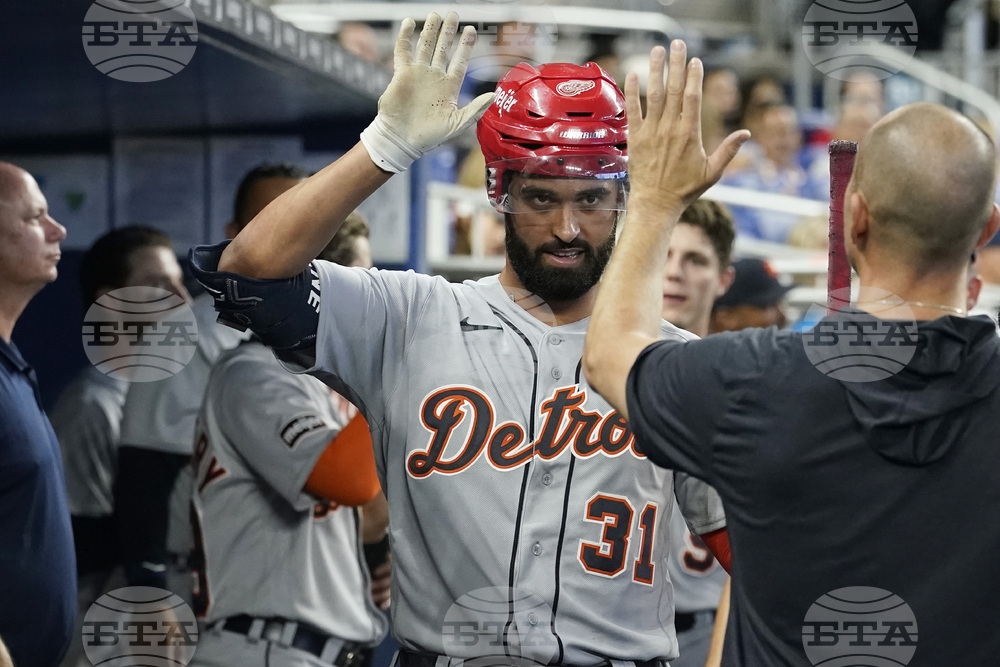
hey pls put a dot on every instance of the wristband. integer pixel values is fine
(388, 150)
(377, 553)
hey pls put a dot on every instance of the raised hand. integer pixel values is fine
(667, 161)
(419, 110)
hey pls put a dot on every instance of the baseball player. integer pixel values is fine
(525, 527)
(153, 487)
(697, 272)
(86, 417)
(281, 574)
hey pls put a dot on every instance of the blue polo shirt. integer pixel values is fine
(37, 564)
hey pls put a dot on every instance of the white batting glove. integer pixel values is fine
(419, 110)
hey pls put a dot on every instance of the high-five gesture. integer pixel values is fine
(667, 160)
(668, 170)
(419, 110)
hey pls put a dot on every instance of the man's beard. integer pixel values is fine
(552, 283)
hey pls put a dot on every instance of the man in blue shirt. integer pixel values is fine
(37, 565)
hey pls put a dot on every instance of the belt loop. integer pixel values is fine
(256, 630)
(446, 661)
(288, 633)
(622, 663)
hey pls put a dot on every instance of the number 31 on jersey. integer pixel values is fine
(608, 558)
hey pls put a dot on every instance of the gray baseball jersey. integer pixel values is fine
(264, 546)
(523, 519)
(161, 415)
(87, 421)
(697, 577)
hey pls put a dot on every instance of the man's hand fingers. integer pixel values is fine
(676, 75)
(633, 107)
(691, 103)
(445, 40)
(724, 154)
(428, 39)
(403, 53)
(460, 61)
(654, 86)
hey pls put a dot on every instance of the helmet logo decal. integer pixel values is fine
(574, 87)
(505, 100)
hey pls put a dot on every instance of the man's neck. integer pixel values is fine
(892, 294)
(13, 300)
(552, 313)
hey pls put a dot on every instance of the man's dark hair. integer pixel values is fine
(106, 264)
(340, 249)
(252, 177)
(716, 221)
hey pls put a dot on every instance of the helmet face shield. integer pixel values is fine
(540, 185)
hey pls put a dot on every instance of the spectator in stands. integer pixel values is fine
(777, 170)
(87, 416)
(855, 117)
(37, 564)
(720, 107)
(721, 91)
(863, 88)
(755, 299)
(756, 94)
(359, 39)
(153, 488)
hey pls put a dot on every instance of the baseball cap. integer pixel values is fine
(755, 284)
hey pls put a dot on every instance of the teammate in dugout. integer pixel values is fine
(281, 463)
(830, 485)
(526, 528)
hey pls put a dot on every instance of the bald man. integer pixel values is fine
(861, 504)
(37, 563)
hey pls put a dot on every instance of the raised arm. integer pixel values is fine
(418, 111)
(668, 170)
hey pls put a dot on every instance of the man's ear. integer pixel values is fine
(991, 227)
(726, 281)
(860, 217)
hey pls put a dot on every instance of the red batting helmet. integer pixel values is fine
(556, 120)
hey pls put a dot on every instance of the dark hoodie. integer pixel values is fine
(864, 517)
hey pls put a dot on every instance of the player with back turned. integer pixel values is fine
(526, 528)
(861, 506)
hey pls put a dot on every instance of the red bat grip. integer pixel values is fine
(838, 277)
